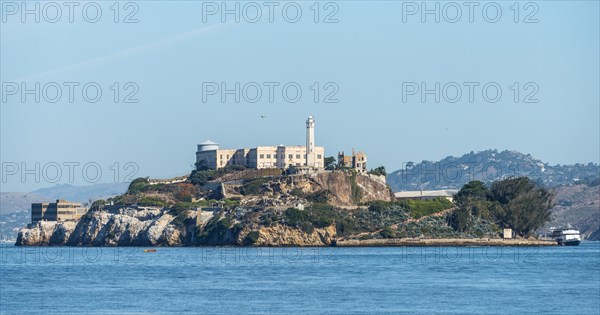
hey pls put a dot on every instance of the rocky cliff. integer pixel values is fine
(138, 229)
(338, 188)
(283, 235)
(126, 227)
(303, 210)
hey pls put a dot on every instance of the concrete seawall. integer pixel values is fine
(444, 242)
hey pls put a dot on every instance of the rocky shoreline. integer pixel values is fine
(339, 208)
(103, 230)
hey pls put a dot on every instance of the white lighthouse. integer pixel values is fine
(310, 141)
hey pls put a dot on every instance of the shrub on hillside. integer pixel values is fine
(253, 186)
(137, 185)
(422, 208)
(251, 238)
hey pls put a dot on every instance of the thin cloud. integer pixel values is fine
(127, 52)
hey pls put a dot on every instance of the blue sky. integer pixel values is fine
(368, 54)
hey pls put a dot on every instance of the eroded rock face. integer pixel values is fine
(106, 229)
(40, 234)
(62, 232)
(340, 185)
(280, 235)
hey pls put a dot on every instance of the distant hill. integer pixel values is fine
(577, 206)
(488, 166)
(82, 193)
(15, 207)
(17, 201)
(11, 223)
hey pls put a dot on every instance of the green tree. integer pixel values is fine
(472, 206)
(460, 219)
(522, 204)
(330, 163)
(379, 171)
(469, 213)
(473, 190)
(201, 165)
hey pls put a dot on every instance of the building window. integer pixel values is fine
(291, 156)
(298, 156)
(262, 156)
(268, 156)
(221, 156)
(318, 156)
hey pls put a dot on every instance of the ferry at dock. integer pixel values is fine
(567, 237)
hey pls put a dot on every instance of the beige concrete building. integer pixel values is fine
(210, 156)
(61, 210)
(357, 161)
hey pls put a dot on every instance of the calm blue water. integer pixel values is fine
(558, 280)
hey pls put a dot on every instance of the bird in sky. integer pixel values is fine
(263, 116)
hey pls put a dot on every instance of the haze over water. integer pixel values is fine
(558, 280)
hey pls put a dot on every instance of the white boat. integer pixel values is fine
(567, 237)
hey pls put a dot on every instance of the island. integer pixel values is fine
(293, 196)
(245, 207)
